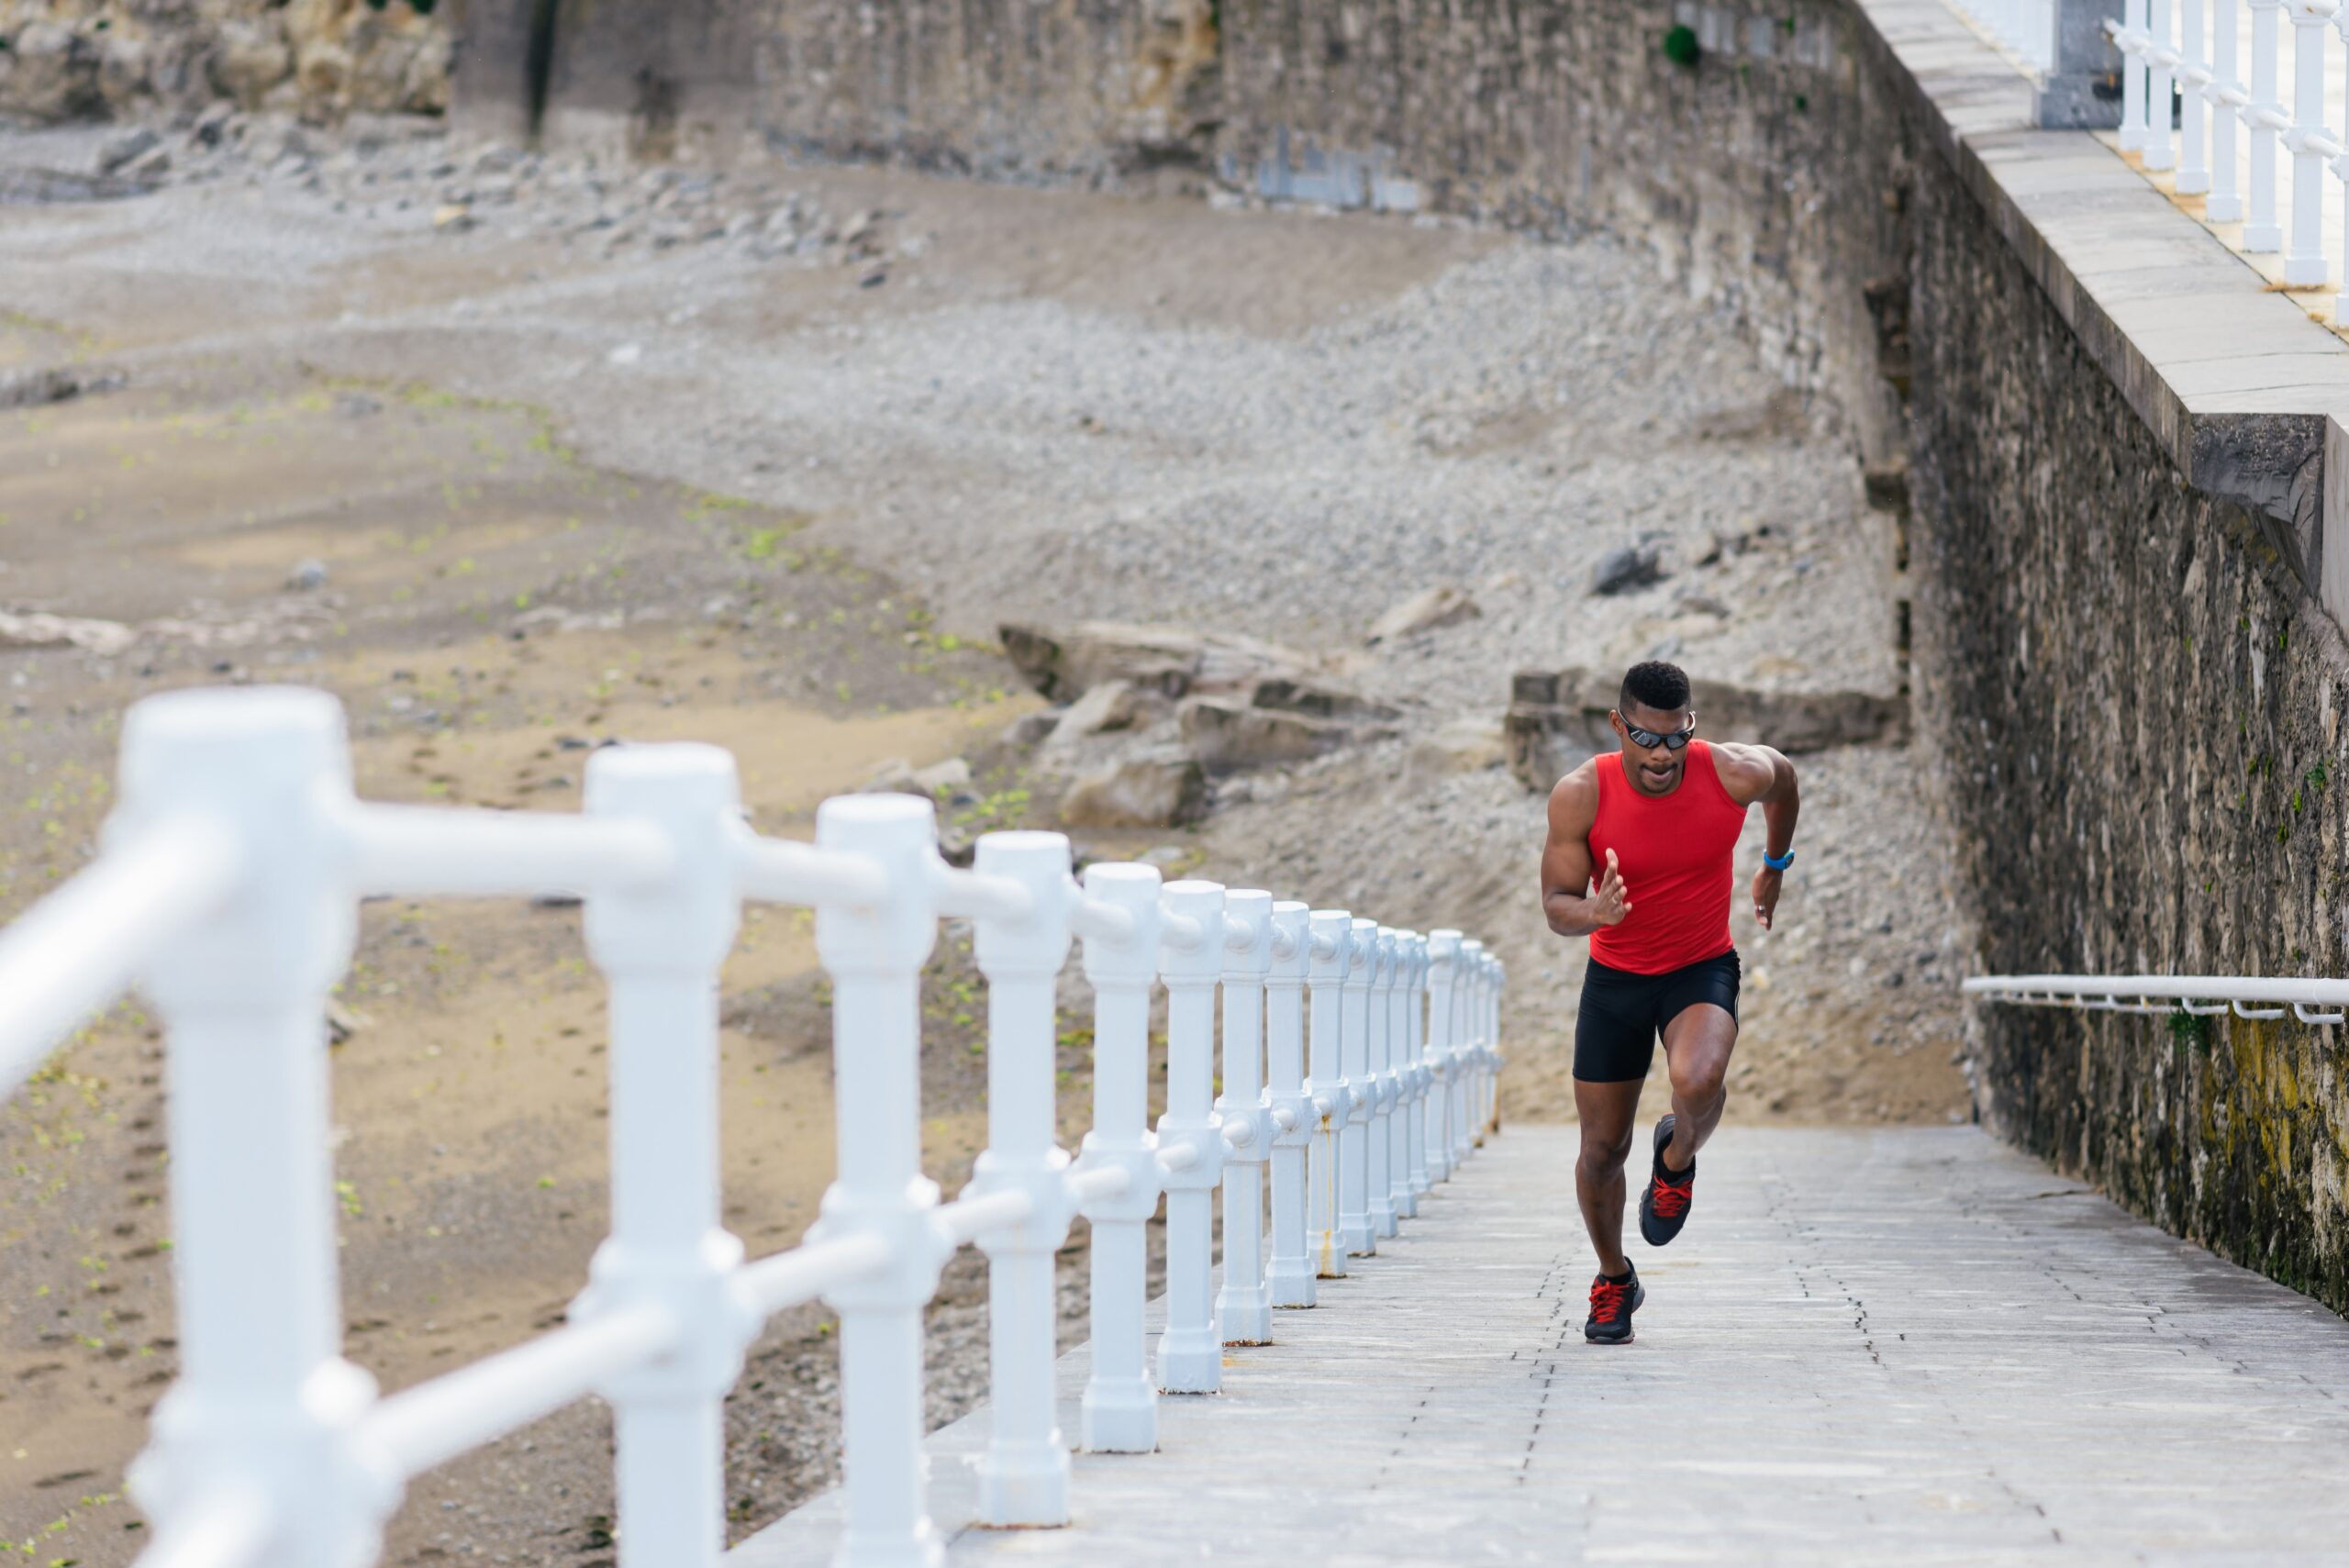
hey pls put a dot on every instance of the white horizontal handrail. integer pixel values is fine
(1100, 1182)
(2062, 989)
(974, 896)
(420, 1428)
(786, 1279)
(75, 951)
(1101, 920)
(968, 1219)
(784, 870)
(424, 851)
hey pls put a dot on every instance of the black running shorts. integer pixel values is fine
(1623, 1014)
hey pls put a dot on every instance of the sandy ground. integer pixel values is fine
(563, 495)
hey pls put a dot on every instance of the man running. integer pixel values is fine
(1662, 819)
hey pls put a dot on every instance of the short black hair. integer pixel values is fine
(1655, 685)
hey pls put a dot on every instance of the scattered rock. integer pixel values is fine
(249, 59)
(1427, 610)
(1112, 704)
(454, 218)
(1557, 718)
(1466, 745)
(898, 776)
(33, 389)
(43, 630)
(127, 147)
(1224, 736)
(944, 778)
(307, 576)
(342, 1022)
(1161, 790)
(357, 405)
(1702, 604)
(1632, 566)
(1171, 661)
(1031, 729)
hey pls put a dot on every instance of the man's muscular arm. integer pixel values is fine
(1573, 906)
(1757, 775)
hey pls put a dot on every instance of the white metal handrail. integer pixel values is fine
(229, 888)
(2312, 1001)
(2185, 60)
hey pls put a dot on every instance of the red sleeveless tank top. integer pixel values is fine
(1677, 856)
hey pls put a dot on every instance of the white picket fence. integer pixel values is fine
(2190, 113)
(228, 891)
(2251, 996)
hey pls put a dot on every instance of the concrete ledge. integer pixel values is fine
(2236, 382)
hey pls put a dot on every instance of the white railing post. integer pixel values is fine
(2134, 40)
(2227, 98)
(1401, 1079)
(265, 1404)
(874, 956)
(1330, 1089)
(1422, 1077)
(2160, 56)
(2193, 77)
(1496, 977)
(1120, 1409)
(1244, 1307)
(660, 946)
(1356, 1228)
(1023, 1475)
(1467, 1050)
(2304, 261)
(2265, 115)
(1289, 1277)
(1190, 1357)
(1379, 1053)
(1444, 957)
(2340, 164)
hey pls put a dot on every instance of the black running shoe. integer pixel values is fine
(1611, 1305)
(1664, 1207)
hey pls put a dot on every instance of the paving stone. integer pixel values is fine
(1911, 1346)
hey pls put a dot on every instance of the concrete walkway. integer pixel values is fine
(1900, 1347)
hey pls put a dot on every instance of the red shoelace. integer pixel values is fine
(1670, 1202)
(1606, 1299)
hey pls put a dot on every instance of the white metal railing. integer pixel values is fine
(228, 889)
(2183, 62)
(2247, 996)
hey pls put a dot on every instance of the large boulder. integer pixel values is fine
(1163, 789)
(51, 73)
(1557, 718)
(1226, 736)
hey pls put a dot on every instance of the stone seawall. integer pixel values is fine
(2121, 681)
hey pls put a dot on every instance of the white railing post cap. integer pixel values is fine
(687, 920)
(1293, 923)
(272, 766)
(1250, 912)
(1134, 959)
(1191, 906)
(1038, 945)
(1329, 929)
(899, 833)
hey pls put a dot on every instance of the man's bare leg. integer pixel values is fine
(1697, 1045)
(1607, 1112)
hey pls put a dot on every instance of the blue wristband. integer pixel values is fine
(1778, 865)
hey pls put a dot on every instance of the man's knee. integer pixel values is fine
(1699, 1081)
(1601, 1158)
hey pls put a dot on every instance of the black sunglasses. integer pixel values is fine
(1676, 740)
